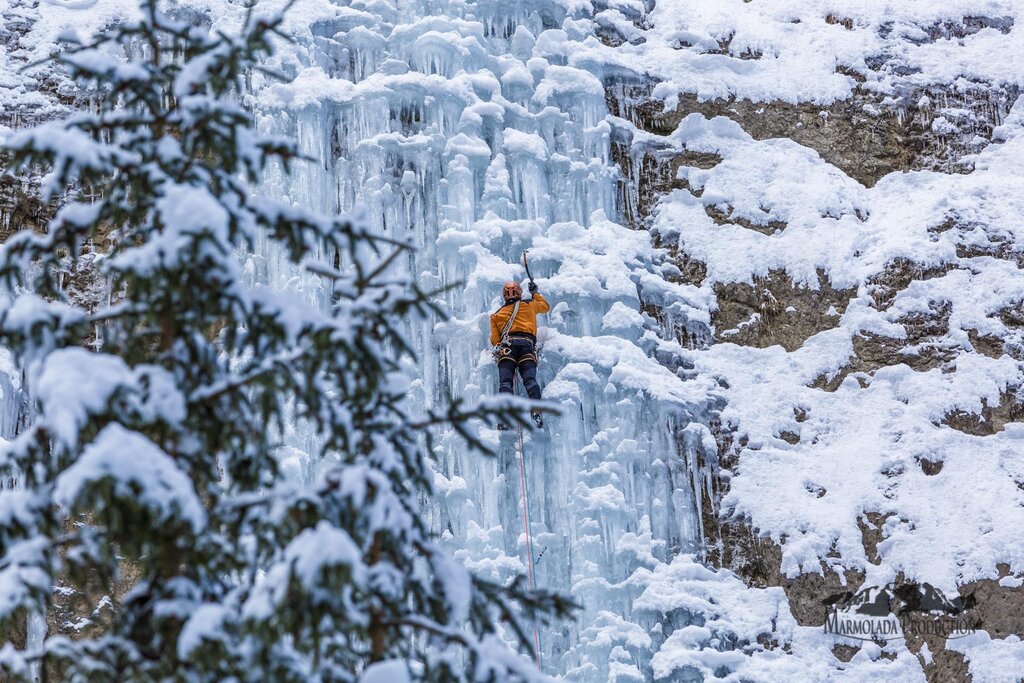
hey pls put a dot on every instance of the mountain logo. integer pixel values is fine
(894, 611)
(923, 597)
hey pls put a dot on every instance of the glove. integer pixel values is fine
(532, 287)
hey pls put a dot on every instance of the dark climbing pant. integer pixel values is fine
(523, 357)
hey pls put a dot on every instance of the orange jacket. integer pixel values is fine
(526, 319)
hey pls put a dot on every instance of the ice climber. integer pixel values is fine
(514, 338)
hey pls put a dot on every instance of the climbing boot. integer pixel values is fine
(538, 419)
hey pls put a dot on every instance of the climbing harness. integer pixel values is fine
(526, 522)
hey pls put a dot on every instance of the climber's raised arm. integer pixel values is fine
(540, 304)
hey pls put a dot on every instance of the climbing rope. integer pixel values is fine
(526, 519)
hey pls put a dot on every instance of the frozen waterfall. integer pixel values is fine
(468, 128)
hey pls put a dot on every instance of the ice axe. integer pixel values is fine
(526, 265)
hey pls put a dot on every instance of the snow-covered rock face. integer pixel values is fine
(818, 51)
(880, 442)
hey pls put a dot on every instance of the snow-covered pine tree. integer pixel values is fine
(159, 450)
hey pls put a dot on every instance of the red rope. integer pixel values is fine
(526, 519)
